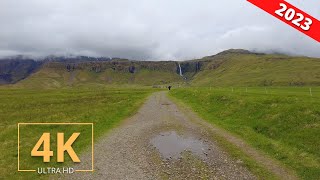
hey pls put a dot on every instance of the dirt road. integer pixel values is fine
(161, 142)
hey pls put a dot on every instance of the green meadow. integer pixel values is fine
(272, 105)
(283, 122)
(105, 107)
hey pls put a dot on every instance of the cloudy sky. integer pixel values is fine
(147, 29)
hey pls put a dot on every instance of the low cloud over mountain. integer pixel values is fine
(146, 29)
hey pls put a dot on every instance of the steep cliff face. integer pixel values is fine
(12, 71)
(190, 68)
(111, 72)
(116, 65)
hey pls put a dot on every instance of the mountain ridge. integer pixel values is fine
(223, 69)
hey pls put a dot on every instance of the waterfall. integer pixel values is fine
(180, 70)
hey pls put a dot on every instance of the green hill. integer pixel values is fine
(242, 68)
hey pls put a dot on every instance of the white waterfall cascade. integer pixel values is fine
(180, 70)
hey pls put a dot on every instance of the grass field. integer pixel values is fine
(101, 106)
(284, 122)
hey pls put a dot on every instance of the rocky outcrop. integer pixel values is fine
(14, 70)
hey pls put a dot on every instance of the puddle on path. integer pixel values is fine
(171, 145)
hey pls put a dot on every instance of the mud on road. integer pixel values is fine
(160, 142)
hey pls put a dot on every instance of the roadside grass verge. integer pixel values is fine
(102, 106)
(282, 122)
(258, 170)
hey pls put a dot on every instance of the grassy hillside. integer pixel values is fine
(248, 69)
(63, 74)
(105, 107)
(228, 68)
(282, 122)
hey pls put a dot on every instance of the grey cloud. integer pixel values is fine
(146, 29)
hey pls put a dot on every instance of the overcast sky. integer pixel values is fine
(147, 29)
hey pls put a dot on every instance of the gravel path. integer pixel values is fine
(160, 142)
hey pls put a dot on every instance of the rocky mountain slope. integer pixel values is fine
(233, 67)
(14, 70)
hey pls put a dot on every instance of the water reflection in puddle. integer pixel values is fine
(171, 145)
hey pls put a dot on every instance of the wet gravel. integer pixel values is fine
(160, 142)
